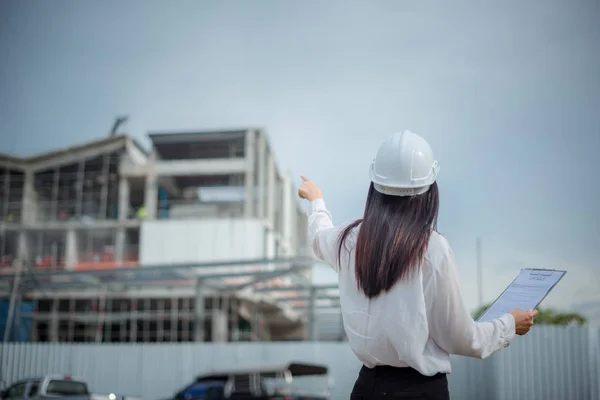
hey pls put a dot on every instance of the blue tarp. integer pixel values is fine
(163, 204)
(24, 325)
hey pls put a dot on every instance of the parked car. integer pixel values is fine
(55, 387)
(259, 383)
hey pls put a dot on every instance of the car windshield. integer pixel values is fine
(66, 388)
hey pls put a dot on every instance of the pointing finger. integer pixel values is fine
(304, 178)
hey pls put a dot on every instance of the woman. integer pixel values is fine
(401, 303)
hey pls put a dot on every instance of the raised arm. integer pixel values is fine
(322, 235)
(450, 324)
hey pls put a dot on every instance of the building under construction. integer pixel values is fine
(200, 238)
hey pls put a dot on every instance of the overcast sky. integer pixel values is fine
(507, 93)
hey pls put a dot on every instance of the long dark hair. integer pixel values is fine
(392, 239)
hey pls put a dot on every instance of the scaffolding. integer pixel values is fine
(83, 190)
(173, 303)
(11, 194)
(73, 218)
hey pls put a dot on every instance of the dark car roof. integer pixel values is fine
(295, 368)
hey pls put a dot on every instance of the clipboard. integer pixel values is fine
(557, 276)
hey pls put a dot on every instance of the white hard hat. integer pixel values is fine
(404, 165)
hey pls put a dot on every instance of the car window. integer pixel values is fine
(16, 391)
(195, 392)
(66, 388)
(33, 388)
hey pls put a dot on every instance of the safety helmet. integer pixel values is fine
(404, 165)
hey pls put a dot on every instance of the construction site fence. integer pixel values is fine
(548, 363)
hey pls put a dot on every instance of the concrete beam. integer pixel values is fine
(122, 280)
(66, 158)
(134, 153)
(13, 165)
(297, 288)
(97, 224)
(89, 280)
(9, 226)
(217, 166)
(264, 277)
(308, 298)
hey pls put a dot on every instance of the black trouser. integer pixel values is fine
(402, 383)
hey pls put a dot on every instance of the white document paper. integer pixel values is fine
(526, 292)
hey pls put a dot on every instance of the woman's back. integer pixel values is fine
(394, 326)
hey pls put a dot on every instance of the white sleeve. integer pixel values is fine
(451, 326)
(322, 235)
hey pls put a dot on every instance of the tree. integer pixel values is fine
(547, 316)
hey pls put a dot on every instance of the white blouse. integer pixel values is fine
(420, 321)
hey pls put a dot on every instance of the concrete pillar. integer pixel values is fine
(79, 186)
(219, 326)
(134, 320)
(293, 227)
(123, 198)
(54, 201)
(4, 215)
(23, 252)
(249, 175)
(278, 226)
(287, 209)
(261, 145)
(53, 325)
(174, 318)
(235, 319)
(270, 200)
(71, 249)
(104, 188)
(123, 323)
(160, 321)
(199, 313)
(254, 325)
(29, 201)
(151, 197)
(120, 246)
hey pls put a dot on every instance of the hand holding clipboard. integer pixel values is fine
(526, 292)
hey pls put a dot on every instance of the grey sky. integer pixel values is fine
(507, 93)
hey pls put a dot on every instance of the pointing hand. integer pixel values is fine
(309, 190)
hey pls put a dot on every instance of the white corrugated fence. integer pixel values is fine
(550, 363)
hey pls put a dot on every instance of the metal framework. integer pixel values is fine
(218, 283)
(71, 228)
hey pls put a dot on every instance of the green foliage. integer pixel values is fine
(547, 316)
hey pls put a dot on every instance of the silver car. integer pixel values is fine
(55, 387)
